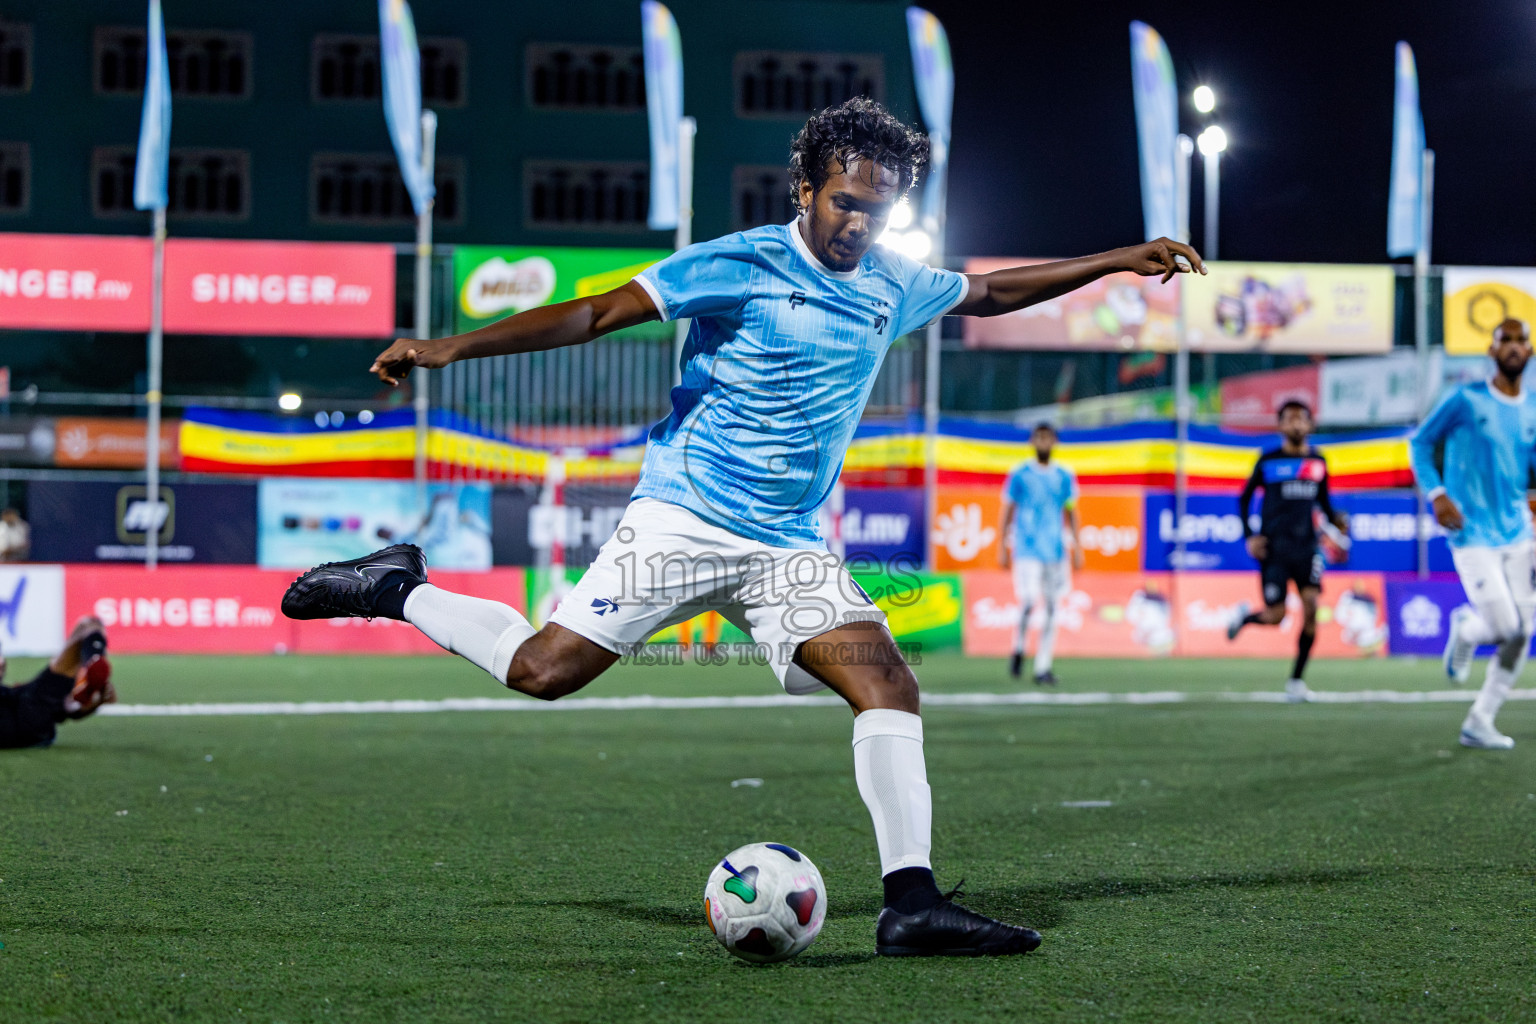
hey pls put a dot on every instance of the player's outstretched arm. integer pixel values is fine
(574, 322)
(1004, 291)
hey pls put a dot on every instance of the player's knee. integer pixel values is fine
(542, 679)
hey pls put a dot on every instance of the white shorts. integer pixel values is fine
(664, 565)
(1501, 584)
(1034, 580)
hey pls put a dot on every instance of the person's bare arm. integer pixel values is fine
(1075, 525)
(1004, 291)
(1004, 552)
(574, 322)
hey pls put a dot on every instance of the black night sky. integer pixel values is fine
(1044, 157)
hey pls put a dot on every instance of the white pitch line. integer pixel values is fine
(647, 703)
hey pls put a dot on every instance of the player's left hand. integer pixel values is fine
(1159, 256)
(1341, 520)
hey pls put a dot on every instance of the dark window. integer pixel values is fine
(760, 195)
(343, 68)
(789, 83)
(200, 62)
(15, 177)
(366, 188)
(15, 57)
(576, 77)
(203, 184)
(586, 195)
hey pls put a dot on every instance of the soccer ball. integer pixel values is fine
(765, 902)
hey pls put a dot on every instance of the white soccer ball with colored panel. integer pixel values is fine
(765, 902)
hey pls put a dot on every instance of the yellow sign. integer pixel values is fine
(1297, 308)
(1478, 299)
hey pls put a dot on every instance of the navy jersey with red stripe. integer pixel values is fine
(1293, 486)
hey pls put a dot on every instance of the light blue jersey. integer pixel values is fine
(777, 367)
(1040, 494)
(1489, 441)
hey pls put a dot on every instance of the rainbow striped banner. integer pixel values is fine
(1137, 454)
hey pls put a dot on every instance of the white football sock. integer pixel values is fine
(1047, 648)
(487, 633)
(1500, 678)
(893, 780)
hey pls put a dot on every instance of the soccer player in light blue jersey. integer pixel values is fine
(1488, 435)
(790, 323)
(1039, 507)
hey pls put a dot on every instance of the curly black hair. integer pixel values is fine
(856, 128)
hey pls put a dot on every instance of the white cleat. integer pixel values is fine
(1458, 650)
(1235, 623)
(1481, 735)
(1296, 691)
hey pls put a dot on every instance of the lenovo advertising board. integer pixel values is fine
(93, 521)
(1381, 524)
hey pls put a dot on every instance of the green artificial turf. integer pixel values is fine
(1260, 862)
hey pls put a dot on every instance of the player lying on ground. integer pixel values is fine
(790, 324)
(1038, 498)
(1294, 478)
(73, 685)
(1488, 433)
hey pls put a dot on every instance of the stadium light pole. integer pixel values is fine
(1213, 142)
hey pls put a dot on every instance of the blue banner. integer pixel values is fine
(152, 168)
(1157, 129)
(305, 521)
(1404, 204)
(1419, 618)
(400, 63)
(1382, 526)
(664, 108)
(933, 74)
(883, 525)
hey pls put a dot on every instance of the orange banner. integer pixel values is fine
(101, 442)
(1113, 530)
(965, 527)
(1129, 615)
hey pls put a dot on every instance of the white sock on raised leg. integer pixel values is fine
(487, 633)
(893, 780)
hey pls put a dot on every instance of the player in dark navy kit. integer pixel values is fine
(1294, 478)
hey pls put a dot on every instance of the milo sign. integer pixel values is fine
(491, 282)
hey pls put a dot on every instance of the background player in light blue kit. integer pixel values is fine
(1039, 499)
(790, 325)
(1488, 431)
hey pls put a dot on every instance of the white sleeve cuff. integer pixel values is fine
(1432, 495)
(655, 294)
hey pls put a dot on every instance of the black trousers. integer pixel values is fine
(30, 714)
